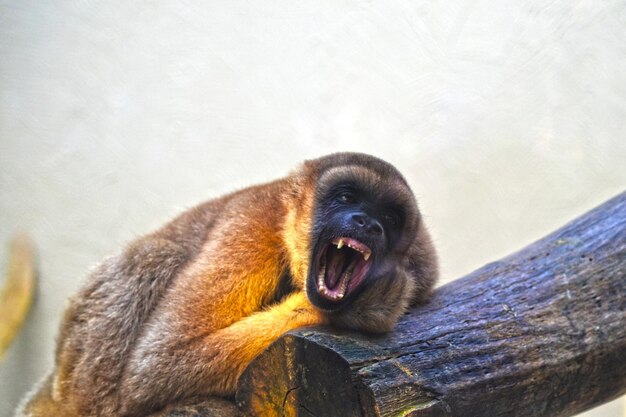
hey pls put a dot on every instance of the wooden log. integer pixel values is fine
(539, 333)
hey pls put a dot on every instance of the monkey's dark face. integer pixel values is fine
(359, 232)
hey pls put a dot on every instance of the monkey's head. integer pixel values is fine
(364, 219)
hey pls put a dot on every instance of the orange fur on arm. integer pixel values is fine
(242, 341)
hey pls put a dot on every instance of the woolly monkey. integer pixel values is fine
(182, 311)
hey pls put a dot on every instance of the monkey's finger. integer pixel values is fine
(17, 294)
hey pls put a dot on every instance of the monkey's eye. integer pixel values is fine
(347, 198)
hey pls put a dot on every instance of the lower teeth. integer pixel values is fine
(345, 280)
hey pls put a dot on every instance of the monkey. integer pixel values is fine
(181, 312)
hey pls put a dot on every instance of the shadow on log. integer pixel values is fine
(539, 333)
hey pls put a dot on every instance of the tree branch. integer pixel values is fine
(539, 333)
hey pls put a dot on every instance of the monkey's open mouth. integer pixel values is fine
(343, 264)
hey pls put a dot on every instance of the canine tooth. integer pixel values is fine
(366, 255)
(340, 244)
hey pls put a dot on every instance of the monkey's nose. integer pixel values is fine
(371, 226)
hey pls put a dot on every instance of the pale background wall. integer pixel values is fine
(507, 117)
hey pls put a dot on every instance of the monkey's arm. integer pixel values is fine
(242, 341)
(208, 363)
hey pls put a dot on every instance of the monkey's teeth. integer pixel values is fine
(320, 277)
(354, 245)
(344, 284)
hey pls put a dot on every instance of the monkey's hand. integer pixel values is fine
(379, 307)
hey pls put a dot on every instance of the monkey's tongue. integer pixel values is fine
(341, 270)
(337, 263)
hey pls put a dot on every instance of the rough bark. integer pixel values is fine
(541, 332)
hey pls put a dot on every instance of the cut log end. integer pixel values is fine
(275, 384)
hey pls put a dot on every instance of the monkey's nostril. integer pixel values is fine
(358, 219)
(376, 228)
(372, 226)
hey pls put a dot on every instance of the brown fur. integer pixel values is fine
(182, 311)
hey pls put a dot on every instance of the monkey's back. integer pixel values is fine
(104, 320)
